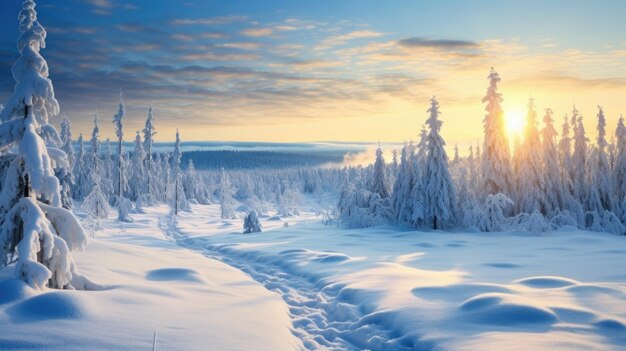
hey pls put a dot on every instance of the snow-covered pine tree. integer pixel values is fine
(35, 231)
(226, 192)
(619, 169)
(579, 161)
(138, 174)
(456, 158)
(251, 223)
(66, 139)
(94, 164)
(496, 175)
(107, 168)
(394, 164)
(417, 195)
(81, 172)
(531, 196)
(118, 121)
(565, 156)
(601, 171)
(554, 190)
(65, 174)
(402, 188)
(178, 200)
(440, 192)
(380, 184)
(151, 187)
(97, 206)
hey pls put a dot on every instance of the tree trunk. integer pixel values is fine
(435, 223)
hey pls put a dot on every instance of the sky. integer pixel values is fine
(341, 70)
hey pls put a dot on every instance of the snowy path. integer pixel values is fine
(321, 317)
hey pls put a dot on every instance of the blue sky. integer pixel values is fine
(322, 70)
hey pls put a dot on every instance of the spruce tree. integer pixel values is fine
(531, 195)
(554, 190)
(380, 184)
(496, 175)
(36, 233)
(440, 193)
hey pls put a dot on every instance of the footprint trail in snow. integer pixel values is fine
(320, 317)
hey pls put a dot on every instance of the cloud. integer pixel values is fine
(337, 40)
(242, 45)
(208, 21)
(257, 32)
(444, 44)
(101, 3)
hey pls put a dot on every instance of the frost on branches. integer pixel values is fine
(35, 232)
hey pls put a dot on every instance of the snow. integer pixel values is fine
(384, 288)
(147, 284)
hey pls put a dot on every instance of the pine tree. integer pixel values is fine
(565, 157)
(602, 170)
(496, 175)
(178, 199)
(35, 231)
(579, 160)
(80, 171)
(138, 174)
(118, 120)
(251, 223)
(151, 188)
(554, 189)
(94, 152)
(402, 188)
(380, 184)
(440, 192)
(417, 195)
(227, 202)
(619, 170)
(531, 182)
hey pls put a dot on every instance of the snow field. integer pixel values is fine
(148, 283)
(385, 288)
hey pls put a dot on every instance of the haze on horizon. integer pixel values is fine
(300, 71)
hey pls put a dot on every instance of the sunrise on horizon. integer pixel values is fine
(350, 175)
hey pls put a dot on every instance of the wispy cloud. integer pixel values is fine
(208, 21)
(257, 32)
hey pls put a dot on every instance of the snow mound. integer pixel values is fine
(505, 310)
(316, 256)
(175, 274)
(457, 291)
(546, 282)
(50, 306)
(14, 289)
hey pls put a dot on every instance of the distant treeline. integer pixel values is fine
(234, 159)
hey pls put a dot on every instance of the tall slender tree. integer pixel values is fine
(496, 175)
(554, 190)
(601, 171)
(118, 120)
(380, 184)
(531, 195)
(579, 160)
(440, 192)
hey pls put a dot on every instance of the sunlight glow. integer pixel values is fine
(515, 122)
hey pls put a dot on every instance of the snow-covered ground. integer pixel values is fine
(386, 289)
(149, 284)
(311, 286)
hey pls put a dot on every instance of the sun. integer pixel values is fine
(515, 121)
